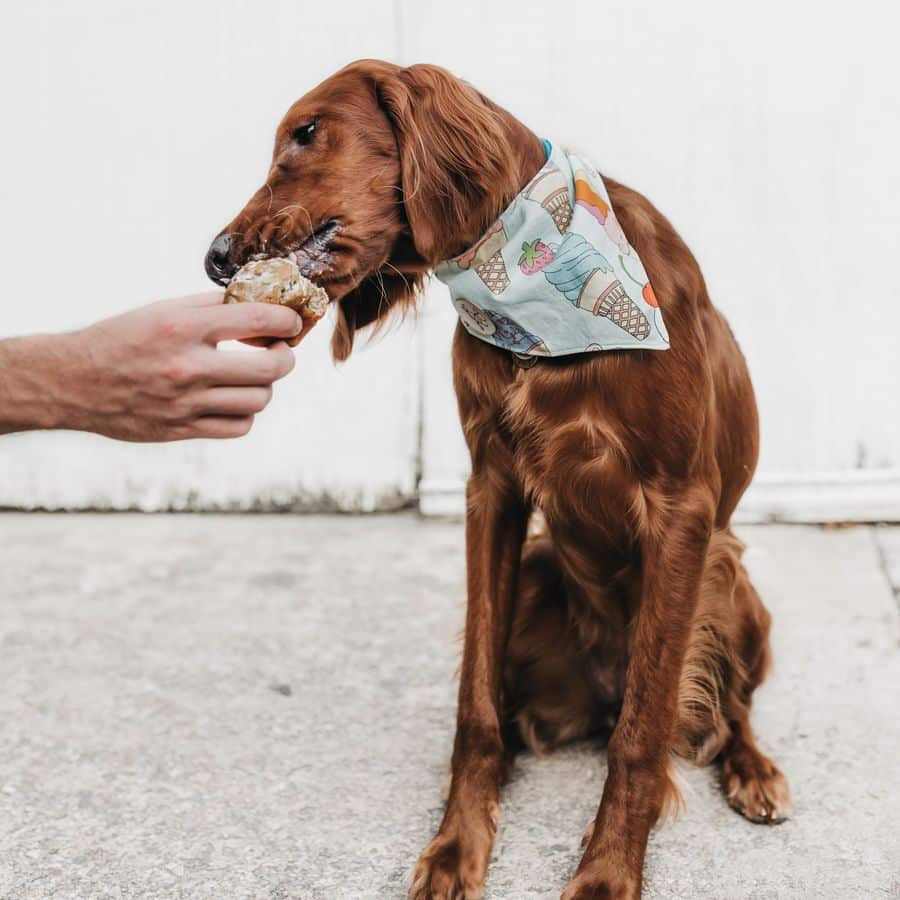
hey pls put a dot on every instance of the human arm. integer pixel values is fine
(150, 374)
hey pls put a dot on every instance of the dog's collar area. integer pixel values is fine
(555, 275)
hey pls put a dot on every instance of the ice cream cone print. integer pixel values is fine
(621, 310)
(550, 189)
(557, 240)
(589, 200)
(584, 276)
(486, 259)
(650, 300)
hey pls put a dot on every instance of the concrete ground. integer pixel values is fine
(262, 707)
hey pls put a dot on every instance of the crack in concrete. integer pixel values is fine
(883, 555)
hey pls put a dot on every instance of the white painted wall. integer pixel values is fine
(131, 133)
(768, 134)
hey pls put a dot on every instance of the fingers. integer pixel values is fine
(222, 412)
(216, 427)
(229, 390)
(206, 298)
(231, 401)
(236, 368)
(236, 321)
(291, 342)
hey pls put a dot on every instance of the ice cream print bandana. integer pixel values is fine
(555, 273)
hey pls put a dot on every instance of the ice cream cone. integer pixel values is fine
(621, 310)
(486, 259)
(579, 271)
(587, 198)
(551, 190)
(493, 273)
(560, 210)
(584, 276)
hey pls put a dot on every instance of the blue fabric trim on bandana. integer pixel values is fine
(555, 274)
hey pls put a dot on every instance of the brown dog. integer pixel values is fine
(632, 609)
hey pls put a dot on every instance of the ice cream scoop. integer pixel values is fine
(584, 276)
(279, 281)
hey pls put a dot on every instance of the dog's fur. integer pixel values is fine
(629, 614)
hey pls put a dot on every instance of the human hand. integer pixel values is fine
(156, 374)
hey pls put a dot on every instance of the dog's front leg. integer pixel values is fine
(454, 864)
(638, 779)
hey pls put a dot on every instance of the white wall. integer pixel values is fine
(131, 133)
(767, 133)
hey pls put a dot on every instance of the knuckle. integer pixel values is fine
(179, 373)
(171, 374)
(257, 319)
(172, 326)
(179, 433)
(178, 412)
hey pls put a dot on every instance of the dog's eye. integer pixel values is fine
(304, 134)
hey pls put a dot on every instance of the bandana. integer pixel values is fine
(555, 273)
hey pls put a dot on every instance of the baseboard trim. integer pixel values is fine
(442, 497)
(859, 496)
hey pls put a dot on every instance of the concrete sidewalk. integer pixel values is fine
(257, 706)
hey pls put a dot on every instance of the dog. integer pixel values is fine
(628, 613)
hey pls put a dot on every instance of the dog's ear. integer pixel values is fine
(368, 303)
(458, 168)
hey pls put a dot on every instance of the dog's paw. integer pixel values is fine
(756, 788)
(440, 874)
(453, 868)
(600, 881)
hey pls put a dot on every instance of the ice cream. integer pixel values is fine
(589, 200)
(278, 280)
(487, 260)
(551, 190)
(584, 276)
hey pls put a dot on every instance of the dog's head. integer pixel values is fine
(377, 174)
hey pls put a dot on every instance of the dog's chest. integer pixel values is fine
(584, 441)
(571, 457)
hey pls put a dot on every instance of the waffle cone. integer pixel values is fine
(560, 210)
(621, 310)
(493, 273)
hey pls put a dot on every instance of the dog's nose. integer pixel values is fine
(219, 265)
